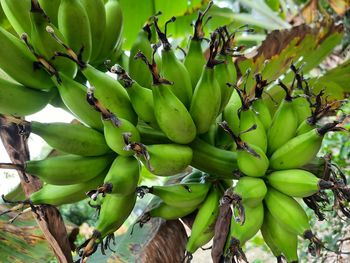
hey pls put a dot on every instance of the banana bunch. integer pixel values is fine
(247, 162)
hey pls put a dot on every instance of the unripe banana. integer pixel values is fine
(230, 114)
(73, 22)
(44, 44)
(217, 162)
(305, 127)
(179, 195)
(64, 169)
(18, 100)
(202, 110)
(256, 137)
(251, 160)
(113, 30)
(141, 98)
(202, 230)
(302, 108)
(97, 20)
(18, 63)
(284, 125)
(65, 194)
(254, 165)
(263, 112)
(71, 138)
(173, 70)
(111, 93)
(297, 183)
(151, 136)
(287, 212)
(121, 179)
(241, 233)
(73, 95)
(172, 116)
(194, 60)
(167, 212)
(114, 135)
(251, 190)
(115, 209)
(268, 239)
(301, 149)
(165, 159)
(17, 13)
(137, 69)
(280, 239)
(50, 8)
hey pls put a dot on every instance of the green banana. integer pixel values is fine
(113, 29)
(121, 179)
(173, 69)
(115, 209)
(302, 108)
(167, 212)
(73, 23)
(217, 162)
(18, 100)
(151, 136)
(50, 8)
(269, 240)
(259, 105)
(73, 94)
(297, 183)
(241, 232)
(17, 61)
(111, 93)
(301, 149)
(137, 69)
(251, 191)
(44, 44)
(114, 135)
(251, 160)
(71, 138)
(97, 20)
(305, 127)
(287, 211)
(164, 159)
(284, 123)
(64, 194)
(194, 60)
(141, 98)
(202, 230)
(64, 169)
(178, 195)
(171, 114)
(247, 120)
(280, 240)
(230, 114)
(202, 110)
(17, 13)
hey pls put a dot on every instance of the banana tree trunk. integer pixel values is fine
(50, 220)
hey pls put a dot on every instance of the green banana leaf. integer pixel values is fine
(15, 237)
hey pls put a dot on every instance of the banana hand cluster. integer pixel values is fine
(246, 161)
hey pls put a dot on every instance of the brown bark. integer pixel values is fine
(167, 246)
(50, 220)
